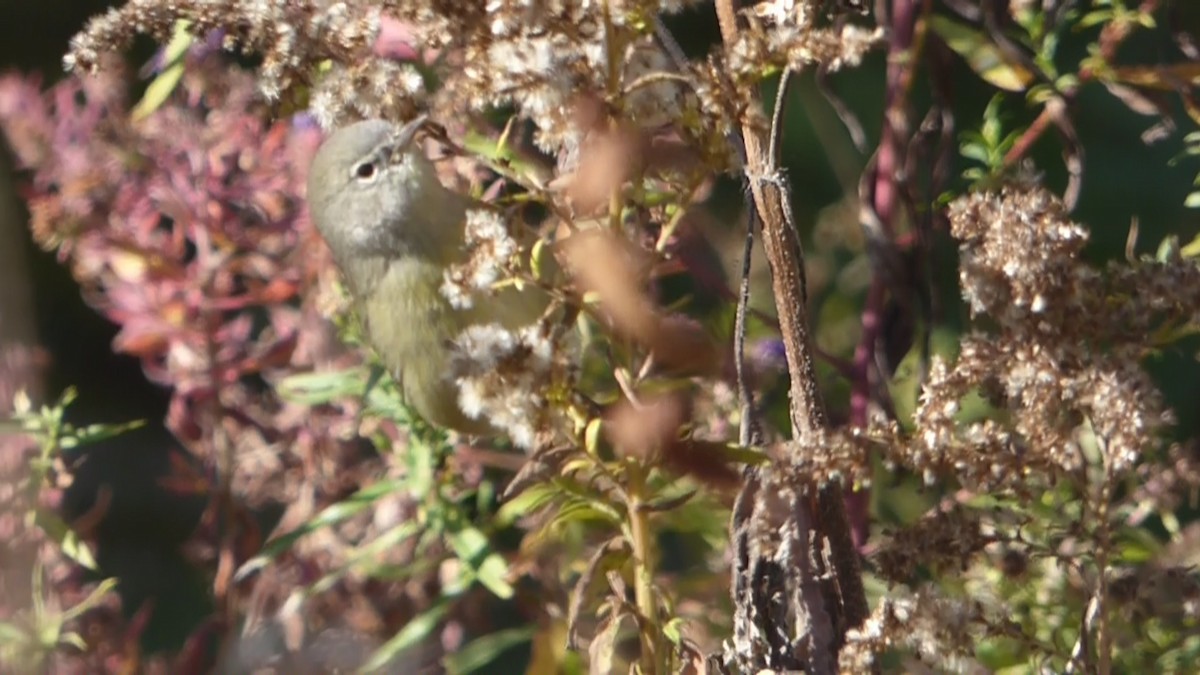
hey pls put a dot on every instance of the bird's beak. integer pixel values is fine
(405, 134)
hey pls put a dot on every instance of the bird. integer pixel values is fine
(394, 229)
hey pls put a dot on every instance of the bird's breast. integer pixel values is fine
(410, 325)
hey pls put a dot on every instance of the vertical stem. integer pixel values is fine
(883, 189)
(652, 659)
(643, 568)
(750, 431)
(781, 242)
(1103, 545)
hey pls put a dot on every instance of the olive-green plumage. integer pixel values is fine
(393, 228)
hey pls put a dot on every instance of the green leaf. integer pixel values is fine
(587, 494)
(731, 452)
(1095, 18)
(471, 547)
(591, 436)
(92, 600)
(673, 630)
(72, 639)
(976, 152)
(541, 260)
(371, 551)
(1193, 248)
(320, 388)
(94, 433)
(669, 503)
(52, 525)
(76, 549)
(529, 501)
(483, 650)
(421, 462)
(981, 54)
(1168, 249)
(1136, 545)
(502, 154)
(331, 515)
(160, 89)
(48, 633)
(573, 511)
(416, 630)
(68, 397)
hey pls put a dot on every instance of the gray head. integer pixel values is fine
(369, 188)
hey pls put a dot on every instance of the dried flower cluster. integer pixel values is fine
(491, 250)
(1062, 361)
(938, 630)
(1058, 349)
(943, 541)
(1065, 358)
(791, 36)
(541, 56)
(502, 377)
(783, 34)
(291, 36)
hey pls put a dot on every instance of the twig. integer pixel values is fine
(670, 45)
(849, 120)
(749, 431)
(1054, 112)
(1080, 653)
(858, 136)
(775, 148)
(1103, 549)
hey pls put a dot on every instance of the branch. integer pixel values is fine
(820, 619)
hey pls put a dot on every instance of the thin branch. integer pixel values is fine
(650, 79)
(1054, 113)
(849, 120)
(750, 430)
(670, 45)
(776, 143)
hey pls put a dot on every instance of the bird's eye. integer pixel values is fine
(365, 171)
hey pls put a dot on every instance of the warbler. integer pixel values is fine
(394, 231)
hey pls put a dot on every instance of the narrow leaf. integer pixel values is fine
(482, 651)
(421, 627)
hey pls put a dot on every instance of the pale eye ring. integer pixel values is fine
(366, 171)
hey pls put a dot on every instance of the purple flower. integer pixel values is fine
(769, 353)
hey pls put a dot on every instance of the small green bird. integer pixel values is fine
(395, 230)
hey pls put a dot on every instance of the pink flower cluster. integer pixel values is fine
(186, 227)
